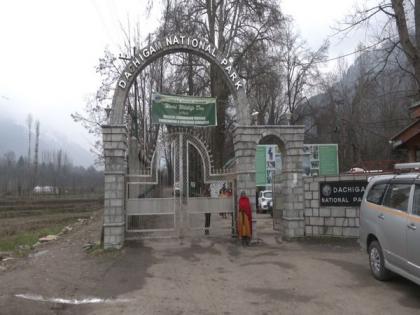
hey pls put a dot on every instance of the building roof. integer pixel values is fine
(408, 134)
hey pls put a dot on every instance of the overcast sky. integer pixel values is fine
(49, 49)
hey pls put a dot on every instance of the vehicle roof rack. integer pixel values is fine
(405, 166)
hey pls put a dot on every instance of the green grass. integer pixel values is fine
(27, 238)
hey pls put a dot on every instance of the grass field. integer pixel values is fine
(24, 221)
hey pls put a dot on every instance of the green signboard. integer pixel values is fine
(267, 162)
(328, 160)
(183, 110)
(320, 160)
(260, 166)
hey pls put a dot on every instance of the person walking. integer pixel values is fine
(244, 219)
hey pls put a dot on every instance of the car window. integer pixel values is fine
(376, 193)
(396, 196)
(416, 200)
(268, 195)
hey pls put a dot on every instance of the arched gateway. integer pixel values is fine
(169, 45)
(125, 206)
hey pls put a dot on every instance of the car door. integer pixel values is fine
(413, 234)
(393, 220)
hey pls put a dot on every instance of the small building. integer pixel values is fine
(45, 190)
(409, 138)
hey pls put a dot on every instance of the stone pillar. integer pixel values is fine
(292, 192)
(245, 148)
(115, 151)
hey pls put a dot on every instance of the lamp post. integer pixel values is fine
(254, 114)
(108, 113)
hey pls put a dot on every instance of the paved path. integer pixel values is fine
(205, 276)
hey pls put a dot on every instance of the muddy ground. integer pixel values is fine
(28, 214)
(201, 276)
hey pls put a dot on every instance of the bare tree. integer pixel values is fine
(301, 69)
(37, 125)
(400, 27)
(360, 110)
(236, 28)
(29, 121)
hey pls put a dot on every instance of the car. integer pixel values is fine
(264, 198)
(390, 225)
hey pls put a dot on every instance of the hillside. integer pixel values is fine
(14, 137)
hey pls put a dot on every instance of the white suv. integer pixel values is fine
(390, 225)
(265, 198)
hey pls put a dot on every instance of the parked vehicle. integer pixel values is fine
(390, 225)
(264, 198)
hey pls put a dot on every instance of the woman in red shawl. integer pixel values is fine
(244, 219)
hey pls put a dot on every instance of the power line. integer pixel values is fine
(102, 20)
(354, 52)
(364, 48)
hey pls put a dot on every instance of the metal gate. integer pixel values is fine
(156, 207)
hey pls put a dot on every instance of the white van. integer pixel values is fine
(389, 217)
(265, 198)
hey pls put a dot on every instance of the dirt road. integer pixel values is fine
(201, 276)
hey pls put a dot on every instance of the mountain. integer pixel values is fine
(14, 137)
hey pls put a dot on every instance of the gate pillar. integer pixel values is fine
(115, 151)
(245, 140)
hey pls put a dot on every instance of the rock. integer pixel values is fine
(65, 230)
(48, 238)
(83, 221)
(23, 247)
(4, 255)
(40, 253)
(89, 245)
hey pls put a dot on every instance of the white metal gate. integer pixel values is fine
(155, 209)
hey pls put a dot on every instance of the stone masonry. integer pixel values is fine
(245, 140)
(115, 151)
(329, 221)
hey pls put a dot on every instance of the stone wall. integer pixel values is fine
(329, 221)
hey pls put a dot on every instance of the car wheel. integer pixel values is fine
(377, 262)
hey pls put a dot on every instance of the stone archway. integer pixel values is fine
(115, 134)
(246, 139)
(169, 45)
(115, 142)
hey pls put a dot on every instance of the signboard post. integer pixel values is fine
(183, 110)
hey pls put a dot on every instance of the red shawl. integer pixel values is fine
(245, 207)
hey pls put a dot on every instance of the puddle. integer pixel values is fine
(89, 300)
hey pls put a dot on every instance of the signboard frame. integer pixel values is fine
(188, 111)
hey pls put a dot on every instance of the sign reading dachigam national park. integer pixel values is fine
(180, 42)
(341, 193)
(183, 110)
